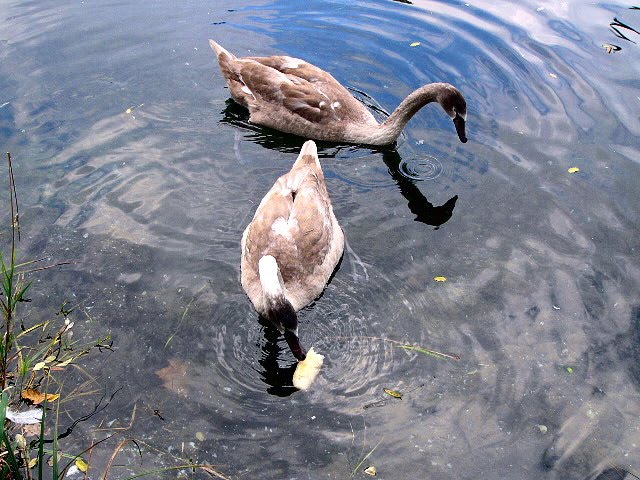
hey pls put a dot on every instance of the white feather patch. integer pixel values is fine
(335, 105)
(290, 64)
(283, 228)
(268, 271)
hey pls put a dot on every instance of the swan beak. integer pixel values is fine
(458, 121)
(294, 344)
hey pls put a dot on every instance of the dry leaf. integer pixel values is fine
(414, 44)
(440, 278)
(34, 396)
(33, 462)
(393, 393)
(573, 170)
(200, 436)
(371, 471)
(174, 376)
(32, 430)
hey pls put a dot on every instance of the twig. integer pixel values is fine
(365, 457)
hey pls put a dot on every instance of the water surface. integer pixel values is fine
(542, 268)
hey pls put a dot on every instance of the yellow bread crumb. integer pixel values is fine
(307, 370)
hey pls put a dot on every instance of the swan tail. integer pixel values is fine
(220, 50)
(308, 155)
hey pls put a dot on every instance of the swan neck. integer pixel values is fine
(417, 99)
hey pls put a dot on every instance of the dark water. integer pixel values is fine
(541, 300)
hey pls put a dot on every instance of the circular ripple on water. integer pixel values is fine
(427, 167)
(347, 325)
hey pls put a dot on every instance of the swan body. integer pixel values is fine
(294, 96)
(291, 247)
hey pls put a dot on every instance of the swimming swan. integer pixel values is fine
(294, 96)
(291, 247)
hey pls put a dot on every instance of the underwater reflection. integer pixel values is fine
(279, 379)
(425, 212)
(617, 26)
(418, 204)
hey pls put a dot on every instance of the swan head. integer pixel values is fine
(454, 104)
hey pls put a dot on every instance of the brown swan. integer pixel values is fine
(293, 96)
(291, 248)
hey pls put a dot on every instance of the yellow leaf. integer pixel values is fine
(50, 359)
(82, 465)
(569, 370)
(200, 436)
(39, 366)
(414, 44)
(573, 170)
(65, 363)
(440, 279)
(393, 393)
(37, 398)
(371, 471)
(128, 110)
(33, 462)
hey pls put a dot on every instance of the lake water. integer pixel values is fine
(132, 162)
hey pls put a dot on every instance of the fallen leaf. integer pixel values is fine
(569, 370)
(414, 44)
(553, 75)
(174, 376)
(34, 396)
(32, 430)
(611, 48)
(440, 278)
(39, 366)
(573, 170)
(50, 359)
(371, 471)
(200, 436)
(82, 465)
(128, 110)
(393, 393)
(542, 428)
(33, 462)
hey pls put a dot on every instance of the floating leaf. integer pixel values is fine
(393, 393)
(39, 366)
(128, 110)
(553, 75)
(569, 369)
(200, 436)
(414, 44)
(33, 462)
(542, 428)
(371, 471)
(611, 48)
(37, 398)
(50, 359)
(440, 278)
(82, 465)
(573, 170)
